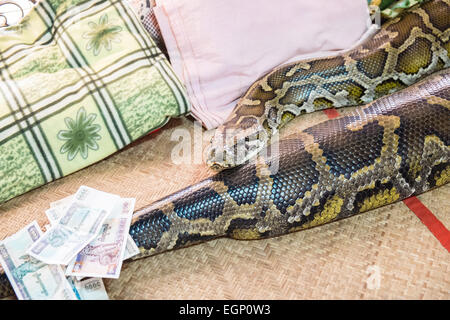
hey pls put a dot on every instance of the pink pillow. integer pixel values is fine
(219, 48)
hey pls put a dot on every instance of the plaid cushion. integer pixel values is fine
(79, 80)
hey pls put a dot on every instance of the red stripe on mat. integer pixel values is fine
(429, 220)
(423, 213)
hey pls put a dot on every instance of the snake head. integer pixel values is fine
(242, 136)
(229, 148)
(219, 155)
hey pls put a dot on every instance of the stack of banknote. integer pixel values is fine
(87, 237)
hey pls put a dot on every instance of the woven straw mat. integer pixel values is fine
(339, 260)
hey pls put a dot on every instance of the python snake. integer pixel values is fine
(403, 51)
(388, 150)
(383, 152)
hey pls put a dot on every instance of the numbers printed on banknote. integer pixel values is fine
(103, 257)
(89, 289)
(32, 279)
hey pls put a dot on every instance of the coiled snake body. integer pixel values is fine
(383, 152)
(406, 49)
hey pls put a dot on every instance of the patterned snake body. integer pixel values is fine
(383, 152)
(406, 49)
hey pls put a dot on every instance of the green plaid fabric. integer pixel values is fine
(79, 80)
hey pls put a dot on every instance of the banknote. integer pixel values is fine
(103, 257)
(85, 194)
(65, 292)
(62, 202)
(101, 198)
(131, 249)
(89, 289)
(54, 214)
(57, 210)
(32, 279)
(79, 225)
(59, 245)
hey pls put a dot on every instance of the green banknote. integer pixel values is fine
(30, 278)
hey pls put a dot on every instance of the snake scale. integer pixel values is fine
(383, 152)
(404, 50)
